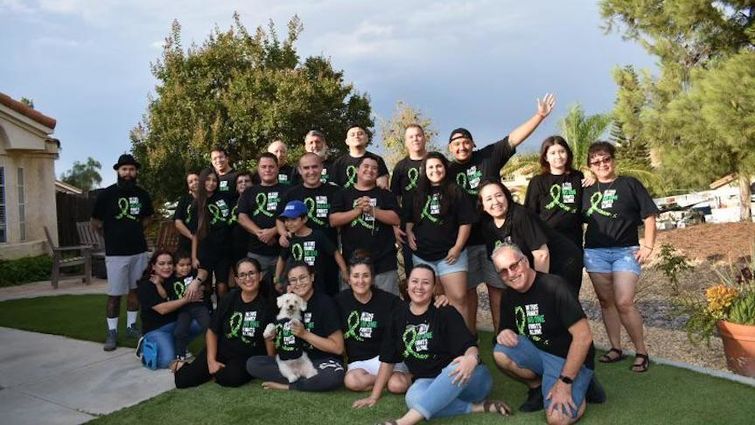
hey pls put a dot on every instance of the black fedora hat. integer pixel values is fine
(126, 159)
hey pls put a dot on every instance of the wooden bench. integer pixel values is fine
(167, 236)
(88, 236)
(60, 262)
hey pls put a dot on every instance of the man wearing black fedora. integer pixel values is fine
(120, 213)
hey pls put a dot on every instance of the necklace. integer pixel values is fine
(600, 189)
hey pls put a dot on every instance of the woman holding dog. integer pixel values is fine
(365, 311)
(440, 353)
(320, 330)
(234, 335)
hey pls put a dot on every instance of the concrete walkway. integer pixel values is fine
(45, 289)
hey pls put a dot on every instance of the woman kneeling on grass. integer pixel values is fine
(440, 353)
(158, 312)
(321, 333)
(234, 335)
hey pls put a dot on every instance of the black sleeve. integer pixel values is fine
(407, 208)
(100, 205)
(339, 202)
(457, 335)
(506, 318)
(148, 210)
(328, 246)
(330, 320)
(396, 179)
(222, 312)
(148, 295)
(245, 202)
(465, 208)
(530, 231)
(569, 309)
(270, 312)
(389, 201)
(499, 153)
(645, 203)
(382, 168)
(180, 213)
(532, 199)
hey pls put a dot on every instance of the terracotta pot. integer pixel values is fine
(739, 347)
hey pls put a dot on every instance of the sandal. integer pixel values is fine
(607, 358)
(388, 423)
(643, 366)
(496, 406)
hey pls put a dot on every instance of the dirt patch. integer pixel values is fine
(723, 242)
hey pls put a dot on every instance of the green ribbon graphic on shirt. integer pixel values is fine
(360, 220)
(312, 211)
(235, 323)
(261, 200)
(556, 199)
(179, 288)
(410, 338)
(521, 319)
(413, 174)
(297, 251)
(234, 215)
(353, 324)
(215, 211)
(123, 206)
(426, 213)
(351, 174)
(188, 213)
(462, 182)
(594, 202)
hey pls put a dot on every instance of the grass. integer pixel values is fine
(663, 395)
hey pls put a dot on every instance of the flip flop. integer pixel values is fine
(496, 406)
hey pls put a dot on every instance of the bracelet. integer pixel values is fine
(648, 247)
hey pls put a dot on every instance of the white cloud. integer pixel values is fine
(58, 42)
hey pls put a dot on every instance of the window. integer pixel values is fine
(21, 206)
(3, 236)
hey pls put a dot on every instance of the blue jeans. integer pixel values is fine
(166, 346)
(438, 397)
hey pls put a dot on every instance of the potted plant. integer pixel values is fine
(728, 307)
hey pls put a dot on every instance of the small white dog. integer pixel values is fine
(293, 361)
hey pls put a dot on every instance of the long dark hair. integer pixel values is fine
(200, 202)
(545, 168)
(153, 260)
(506, 194)
(424, 187)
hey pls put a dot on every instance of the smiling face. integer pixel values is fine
(220, 161)
(556, 157)
(603, 166)
(294, 224)
(301, 282)
(279, 149)
(435, 171)
(211, 183)
(356, 137)
(163, 266)
(310, 170)
(368, 172)
(461, 147)
(192, 182)
(127, 172)
(183, 267)
(248, 278)
(494, 201)
(420, 286)
(360, 279)
(514, 269)
(414, 140)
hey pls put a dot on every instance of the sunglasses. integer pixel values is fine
(513, 268)
(602, 161)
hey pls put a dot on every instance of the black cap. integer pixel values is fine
(459, 133)
(126, 159)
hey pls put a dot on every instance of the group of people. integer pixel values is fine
(248, 237)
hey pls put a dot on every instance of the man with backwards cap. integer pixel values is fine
(120, 213)
(469, 168)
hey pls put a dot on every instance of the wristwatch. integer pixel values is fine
(565, 379)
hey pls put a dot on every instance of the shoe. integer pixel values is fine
(133, 332)
(595, 393)
(641, 367)
(496, 406)
(188, 357)
(608, 358)
(177, 364)
(111, 340)
(534, 400)
(140, 348)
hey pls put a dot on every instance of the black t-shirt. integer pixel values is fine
(320, 318)
(121, 212)
(239, 325)
(287, 175)
(183, 213)
(436, 234)
(613, 212)
(260, 203)
(176, 286)
(544, 314)
(485, 163)
(287, 345)
(425, 343)
(319, 201)
(148, 298)
(364, 325)
(366, 232)
(405, 177)
(557, 200)
(345, 169)
(227, 182)
(523, 228)
(218, 214)
(314, 249)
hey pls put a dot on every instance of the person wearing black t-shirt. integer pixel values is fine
(469, 168)
(555, 194)
(507, 222)
(366, 215)
(404, 181)
(286, 173)
(365, 312)
(185, 223)
(234, 335)
(198, 311)
(239, 235)
(226, 174)
(158, 311)
(441, 354)
(438, 221)
(544, 338)
(316, 143)
(323, 340)
(345, 170)
(614, 208)
(120, 214)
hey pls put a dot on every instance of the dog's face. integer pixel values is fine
(291, 305)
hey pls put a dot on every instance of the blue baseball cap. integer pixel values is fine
(294, 209)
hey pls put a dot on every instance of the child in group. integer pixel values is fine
(199, 311)
(308, 245)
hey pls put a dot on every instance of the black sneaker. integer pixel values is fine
(595, 393)
(534, 400)
(133, 332)
(111, 340)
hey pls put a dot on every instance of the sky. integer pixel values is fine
(477, 64)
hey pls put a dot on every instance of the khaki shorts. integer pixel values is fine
(480, 268)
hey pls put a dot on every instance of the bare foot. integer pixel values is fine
(269, 385)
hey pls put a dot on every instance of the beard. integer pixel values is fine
(126, 183)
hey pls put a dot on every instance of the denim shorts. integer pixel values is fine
(611, 260)
(547, 366)
(441, 267)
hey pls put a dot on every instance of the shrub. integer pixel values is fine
(23, 270)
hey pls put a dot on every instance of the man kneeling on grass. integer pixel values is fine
(545, 339)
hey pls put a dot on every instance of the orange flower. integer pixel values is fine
(719, 299)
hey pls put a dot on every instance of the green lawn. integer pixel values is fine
(664, 395)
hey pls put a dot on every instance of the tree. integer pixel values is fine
(690, 37)
(239, 91)
(85, 176)
(28, 102)
(392, 132)
(626, 129)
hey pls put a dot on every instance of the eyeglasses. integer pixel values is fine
(604, 160)
(244, 276)
(513, 268)
(301, 280)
